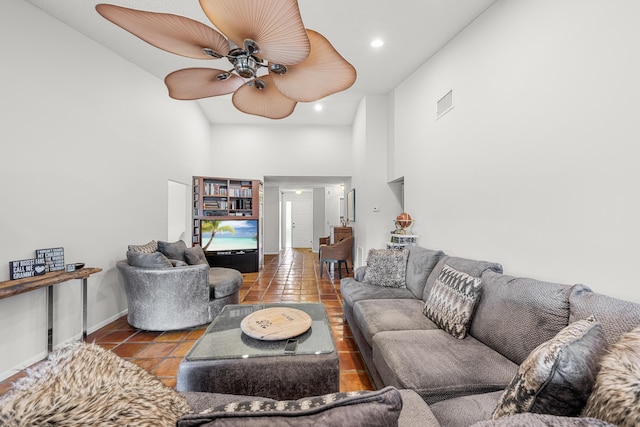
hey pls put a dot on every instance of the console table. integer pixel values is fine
(10, 288)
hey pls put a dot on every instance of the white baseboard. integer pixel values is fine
(42, 355)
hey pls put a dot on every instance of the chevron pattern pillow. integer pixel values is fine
(453, 300)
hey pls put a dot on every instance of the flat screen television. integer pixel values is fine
(229, 235)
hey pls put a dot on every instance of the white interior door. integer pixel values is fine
(301, 223)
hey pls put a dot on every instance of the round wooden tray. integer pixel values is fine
(276, 323)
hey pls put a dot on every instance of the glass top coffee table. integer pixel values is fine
(226, 360)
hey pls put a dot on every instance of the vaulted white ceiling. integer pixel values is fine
(413, 31)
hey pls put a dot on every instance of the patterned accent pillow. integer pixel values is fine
(558, 376)
(173, 250)
(195, 255)
(360, 408)
(453, 300)
(615, 393)
(386, 267)
(147, 248)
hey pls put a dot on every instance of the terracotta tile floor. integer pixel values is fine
(291, 276)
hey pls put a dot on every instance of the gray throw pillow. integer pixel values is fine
(386, 267)
(615, 392)
(147, 248)
(173, 250)
(453, 300)
(558, 375)
(152, 260)
(356, 409)
(195, 255)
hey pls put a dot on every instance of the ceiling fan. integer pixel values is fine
(275, 61)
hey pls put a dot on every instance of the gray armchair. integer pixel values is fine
(164, 299)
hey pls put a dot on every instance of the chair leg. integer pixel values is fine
(321, 267)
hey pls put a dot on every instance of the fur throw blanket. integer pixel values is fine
(83, 384)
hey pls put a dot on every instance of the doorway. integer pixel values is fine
(178, 212)
(298, 223)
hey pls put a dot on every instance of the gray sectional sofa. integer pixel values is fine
(463, 380)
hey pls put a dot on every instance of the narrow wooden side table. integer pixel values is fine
(10, 288)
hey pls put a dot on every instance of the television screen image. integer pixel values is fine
(229, 235)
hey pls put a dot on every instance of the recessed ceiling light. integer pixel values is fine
(318, 107)
(298, 192)
(377, 43)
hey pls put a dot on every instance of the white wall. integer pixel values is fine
(271, 220)
(370, 180)
(536, 165)
(89, 142)
(254, 152)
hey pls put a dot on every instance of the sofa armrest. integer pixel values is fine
(166, 298)
(358, 273)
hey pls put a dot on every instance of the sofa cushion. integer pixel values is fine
(364, 408)
(386, 267)
(353, 291)
(147, 248)
(373, 316)
(512, 308)
(82, 384)
(465, 410)
(420, 264)
(615, 392)
(558, 375)
(438, 366)
(173, 250)
(195, 255)
(453, 300)
(615, 315)
(471, 267)
(148, 260)
(224, 282)
(542, 420)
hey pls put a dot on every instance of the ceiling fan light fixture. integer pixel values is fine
(251, 47)
(245, 66)
(277, 68)
(251, 34)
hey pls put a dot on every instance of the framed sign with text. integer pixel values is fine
(53, 258)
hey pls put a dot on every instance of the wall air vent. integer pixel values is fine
(444, 105)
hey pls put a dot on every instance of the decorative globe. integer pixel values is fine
(404, 220)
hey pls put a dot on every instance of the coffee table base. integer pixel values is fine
(277, 377)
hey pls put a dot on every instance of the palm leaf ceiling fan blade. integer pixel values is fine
(196, 83)
(274, 25)
(266, 102)
(173, 33)
(323, 73)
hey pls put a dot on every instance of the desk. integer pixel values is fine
(10, 288)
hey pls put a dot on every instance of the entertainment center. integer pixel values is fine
(227, 221)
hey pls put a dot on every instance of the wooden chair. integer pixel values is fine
(337, 253)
